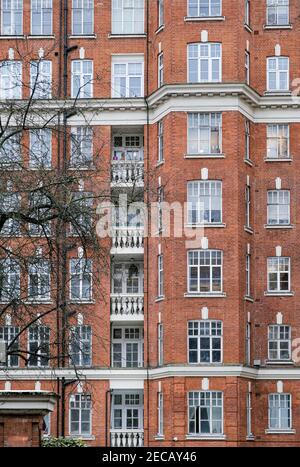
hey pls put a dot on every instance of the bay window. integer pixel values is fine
(205, 412)
(204, 133)
(205, 342)
(204, 202)
(205, 271)
(278, 74)
(204, 63)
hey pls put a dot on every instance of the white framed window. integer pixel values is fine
(82, 217)
(249, 414)
(160, 13)
(160, 344)
(160, 200)
(205, 271)
(81, 345)
(127, 17)
(247, 67)
(204, 202)
(82, 79)
(127, 76)
(160, 414)
(40, 209)
(278, 141)
(278, 74)
(127, 410)
(248, 344)
(39, 346)
(248, 275)
(10, 202)
(41, 17)
(278, 211)
(41, 79)
(279, 342)
(81, 147)
(204, 133)
(8, 334)
(46, 425)
(128, 278)
(40, 153)
(9, 279)
(247, 206)
(204, 8)
(160, 276)
(279, 274)
(247, 12)
(205, 62)
(247, 139)
(127, 347)
(278, 12)
(80, 414)
(11, 149)
(81, 279)
(12, 17)
(39, 280)
(205, 412)
(280, 411)
(82, 17)
(160, 69)
(160, 140)
(11, 79)
(205, 341)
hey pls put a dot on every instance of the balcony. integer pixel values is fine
(127, 307)
(126, 439)
(127, 165)
(127, 240)
(127, 417)
(125, 174)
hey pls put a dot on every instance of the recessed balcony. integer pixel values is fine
(127, 417)
(127, 164)
(127, 297)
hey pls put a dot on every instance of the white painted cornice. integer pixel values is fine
(140, 374)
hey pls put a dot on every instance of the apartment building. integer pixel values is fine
(188, 344)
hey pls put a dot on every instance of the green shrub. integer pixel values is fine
(62, 443)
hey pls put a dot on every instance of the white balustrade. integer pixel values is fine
(128, 237)
(126, 439)
(127, 305)
(127, 172)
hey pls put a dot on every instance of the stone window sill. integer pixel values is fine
(205, 437)
(205, 295)
(270, 226)
(83, 36)
(158, 164)
(277, 26)
(278, 159)
(279, 362)
(206, 226)
(12, 37)
(278, 93)
(204, 18)
(280, 432)
(40, 36)
(279, 294)
(126, 36)
(205, 156)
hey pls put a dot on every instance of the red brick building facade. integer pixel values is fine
(196, 345)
